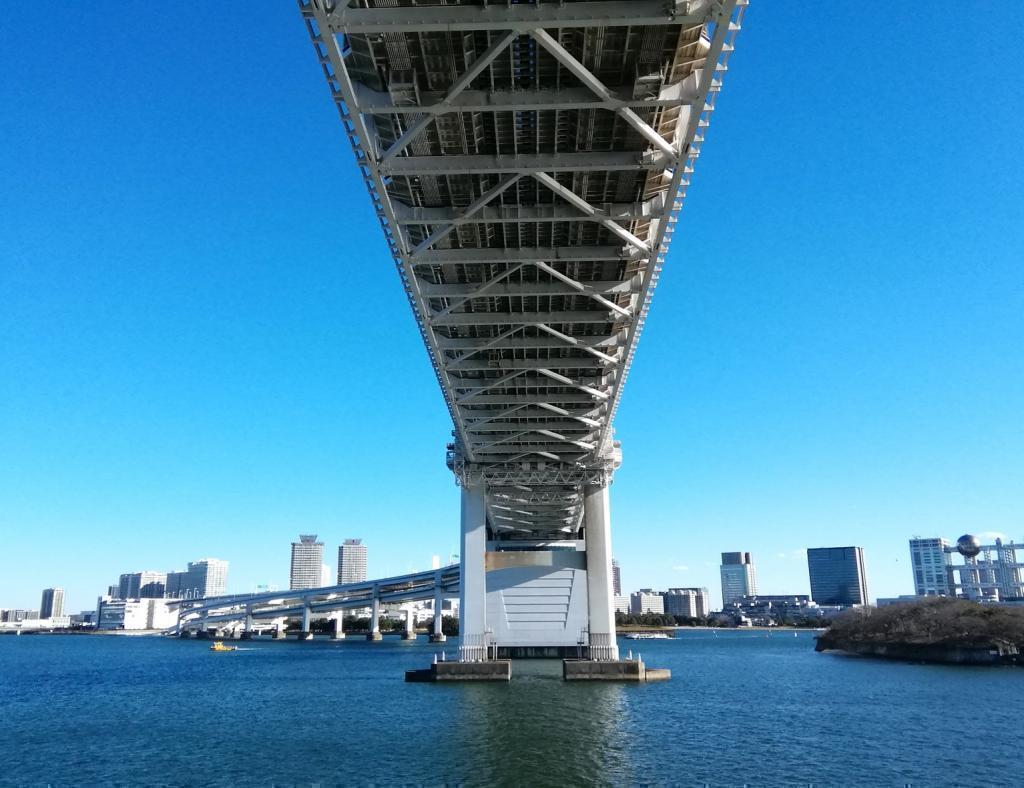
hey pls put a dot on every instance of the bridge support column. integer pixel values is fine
(600, 599)
(374, 633)
(247, 631)
(305, 633)
(410, 624)
(339, 626)
(437, 636)
(473, 585)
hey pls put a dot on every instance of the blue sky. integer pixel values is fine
(204, 348)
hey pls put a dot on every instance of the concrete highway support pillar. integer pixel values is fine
(247, 632)
(305, 633)
(374, 633)
(410, 624)
(600, 599)
(473, 586)
(339, 626)
(437, 636)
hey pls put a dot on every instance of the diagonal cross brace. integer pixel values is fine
(478, 292)
(471, 209)
(583, 289)
(460, 84)
(585, 76)
(574, 199)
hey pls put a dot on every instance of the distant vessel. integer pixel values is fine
(647, 636)
(219, 646)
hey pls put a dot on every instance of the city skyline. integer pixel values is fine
(840, 369)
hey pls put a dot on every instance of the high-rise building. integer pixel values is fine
(616, 579)
(689, 602)
(738, 577)
(142, 585)
(307, 559)
(931, 561)
(837, 575)
(203, 578)
(351, 562)
(52, 604)
(646, 600)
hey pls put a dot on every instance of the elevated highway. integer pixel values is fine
(244, 610)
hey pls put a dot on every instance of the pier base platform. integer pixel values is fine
(438, 638)
(612, 670)
(375, 636)
(491, 670)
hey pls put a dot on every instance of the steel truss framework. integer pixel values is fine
(527, 163)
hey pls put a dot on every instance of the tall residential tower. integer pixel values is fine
(351, 562)
(307, 561)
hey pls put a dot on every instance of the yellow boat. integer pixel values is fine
(219, 646)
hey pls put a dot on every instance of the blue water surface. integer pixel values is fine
(742, 708)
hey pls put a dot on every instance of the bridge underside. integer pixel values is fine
(527, 163)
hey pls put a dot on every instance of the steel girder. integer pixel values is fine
(527, 164)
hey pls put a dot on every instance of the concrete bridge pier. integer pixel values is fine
(305, 633)
(339, 631)
(410, 624)
(247, 632)
(600, 597)
(473, 585)
(280, 633)
(437, 636)
(374, 633)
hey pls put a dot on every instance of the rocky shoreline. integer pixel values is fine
(935, 653)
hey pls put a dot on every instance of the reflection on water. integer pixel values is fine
(515, 734)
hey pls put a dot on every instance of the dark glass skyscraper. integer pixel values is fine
(837, 575)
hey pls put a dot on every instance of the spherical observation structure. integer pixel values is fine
(968, 546)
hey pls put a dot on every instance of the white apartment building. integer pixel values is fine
(307, 562)
(351, 562)
(646, 601)
(930, 562)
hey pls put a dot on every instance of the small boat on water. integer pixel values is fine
(219, 646)
(647, 636)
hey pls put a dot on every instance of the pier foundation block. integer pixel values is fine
(612, 670)
(489, 670)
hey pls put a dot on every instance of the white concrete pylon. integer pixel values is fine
(473, 584)
(600, 600)
(375, 614)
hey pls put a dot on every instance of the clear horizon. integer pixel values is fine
(205, 350)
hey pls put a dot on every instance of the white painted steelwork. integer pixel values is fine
(527, 163)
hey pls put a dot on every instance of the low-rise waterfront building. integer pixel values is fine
(646, 600)
(688, 602)
(135, 614)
